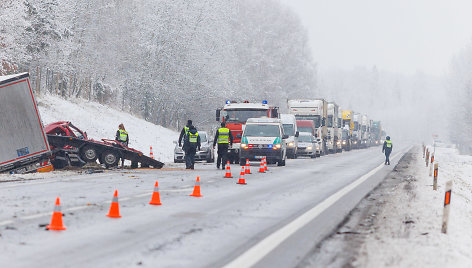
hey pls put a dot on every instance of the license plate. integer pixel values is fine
(258, 157)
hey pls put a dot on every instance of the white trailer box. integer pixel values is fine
(23, 142)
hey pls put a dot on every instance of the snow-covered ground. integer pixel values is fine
(399, 224)
(101, 122)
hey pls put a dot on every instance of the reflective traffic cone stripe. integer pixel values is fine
(114, 207)
(228, 171)
(261, 167)
(248, 168)
(265, 163)
(196, 189)
(156, 198)
(241, 177)
(151, 154)
(56, 220)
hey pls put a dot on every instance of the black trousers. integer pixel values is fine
(387, 156)
(190, 158)
(222, 154)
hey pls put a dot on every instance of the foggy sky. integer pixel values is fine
(404, 36)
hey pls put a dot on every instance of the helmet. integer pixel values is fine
(388, 138)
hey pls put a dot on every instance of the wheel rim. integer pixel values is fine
(110, 158)
(90, 154)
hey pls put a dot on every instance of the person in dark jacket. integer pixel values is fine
(122, 135)
(224, 138)
(191, 144)
(184, 132)
(387, 149)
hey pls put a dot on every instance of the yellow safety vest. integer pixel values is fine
(186, 130)
(389, 144)
(223, 135)
(123, 135)
(193, 138)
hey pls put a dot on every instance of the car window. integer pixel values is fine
(304, 138)
(262, 131)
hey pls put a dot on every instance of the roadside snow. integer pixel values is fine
(101, 122)
(408, 230)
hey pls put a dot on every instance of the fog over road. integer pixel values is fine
(217, 229)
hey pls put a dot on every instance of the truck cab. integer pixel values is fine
(332, 125)
(356, 131)
(263, 137)
(347, 129)
(235, 116)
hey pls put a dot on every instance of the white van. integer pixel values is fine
(289, 123)
(263, 137)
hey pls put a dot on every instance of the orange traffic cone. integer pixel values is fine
(248, 168)
(115, 207)
(261, 167)
(265, 163)
(56, 220)
(151, 154)
(156, 198)
(228, 171)
(241, 177)
(196, 189)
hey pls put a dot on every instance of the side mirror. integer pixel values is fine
(316, 135)
(285, 137)
(218, 113)
(297, 134)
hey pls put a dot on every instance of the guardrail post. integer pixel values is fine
(447, 204)
(427, 157)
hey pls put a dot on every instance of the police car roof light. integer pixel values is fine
(228, 102)
(264, 102)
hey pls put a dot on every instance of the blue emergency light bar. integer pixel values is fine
(228, 102)
(264, 102)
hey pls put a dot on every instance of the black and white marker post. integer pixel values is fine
(447, 204)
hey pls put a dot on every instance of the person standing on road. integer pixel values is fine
(387, 149)
(121, 135)
(224, 138)
(123, 138)
(191, 144)
(184, 132)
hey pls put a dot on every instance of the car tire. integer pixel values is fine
(110, 158)
(88, 154)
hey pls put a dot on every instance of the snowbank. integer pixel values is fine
(101, 122)
(408, 233)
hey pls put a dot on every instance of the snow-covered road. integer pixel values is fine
(185, 231)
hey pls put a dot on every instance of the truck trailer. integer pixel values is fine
(23, 146)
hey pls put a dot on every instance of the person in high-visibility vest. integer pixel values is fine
(387, 149)
(184, 132)
(121, 135)
(224, 138)
(191, 144)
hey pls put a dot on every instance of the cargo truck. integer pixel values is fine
(376, 132)
(23, 144)
(365, 132)
(332, 125)
(348, 126)
(356, 131)
(315, 110)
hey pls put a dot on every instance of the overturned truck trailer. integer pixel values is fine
(23, 143)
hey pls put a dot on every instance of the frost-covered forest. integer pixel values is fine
(166, 61)
(169, 61)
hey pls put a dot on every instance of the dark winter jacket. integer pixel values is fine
(182, 135)
(387, 149)
(191, 145)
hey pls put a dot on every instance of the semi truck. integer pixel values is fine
(348, 126)
(315, 110)
(23, 144)
(356, 131)
(376, 132)
(340, 130)
(365, 131)
(235, 114)
(332, 125)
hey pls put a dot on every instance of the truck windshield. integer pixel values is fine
(305, 138)
(330, 121)
(345, 134)
(339, 122)
(356, 126)
(241, 115)
(288, 129)
(314, 118)
(347, 122)
(305, 129)
(262, 131)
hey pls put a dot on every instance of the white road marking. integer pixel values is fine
(257, 252)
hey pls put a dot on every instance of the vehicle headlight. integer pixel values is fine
(317, 147)
(291, 144)
(355, 142)
(277, 146)
(338, 142)
(309, 148)
(244, 145)
(344, 142)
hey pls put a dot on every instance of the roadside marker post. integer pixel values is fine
(435, 180)
(447, 205)
(424, 151)
(431, 166)
(427, 157)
